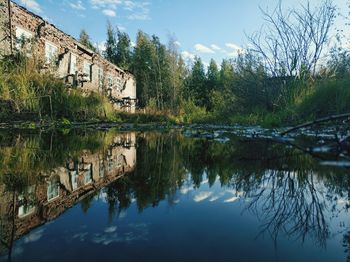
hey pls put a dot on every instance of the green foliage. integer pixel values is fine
(196, 87)
(111, 45)
(159, 73)
(330, 96)
(84, 39)
(123, 56)
(26, 92)
(191, 113)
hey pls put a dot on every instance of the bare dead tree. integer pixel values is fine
(292, 42)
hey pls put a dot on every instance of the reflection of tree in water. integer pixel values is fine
(290, 204)
(282, 184)
(288, 190)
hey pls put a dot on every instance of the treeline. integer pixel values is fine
(285, 75)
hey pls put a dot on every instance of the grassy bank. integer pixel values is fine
(27, 93)
(31, 96)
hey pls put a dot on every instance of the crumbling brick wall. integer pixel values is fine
(73, 62)
(4, 26)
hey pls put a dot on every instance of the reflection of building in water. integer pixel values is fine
(59, 189)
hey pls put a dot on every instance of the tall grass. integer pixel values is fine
(25, 89)
(330, 96)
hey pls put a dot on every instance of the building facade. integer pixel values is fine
(69, 60)
(4, 27)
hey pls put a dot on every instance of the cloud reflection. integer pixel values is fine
(202, 196)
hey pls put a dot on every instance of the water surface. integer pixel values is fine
(170, 196)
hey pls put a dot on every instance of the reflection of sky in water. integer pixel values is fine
(208, 223)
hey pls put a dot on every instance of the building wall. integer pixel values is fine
(4, 25)
(71, 61)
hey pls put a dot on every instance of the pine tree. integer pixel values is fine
(142, 67)
(111, 45)
(84, 39)
(123, 57)
(196, 86)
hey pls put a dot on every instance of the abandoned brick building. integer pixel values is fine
(71, 61)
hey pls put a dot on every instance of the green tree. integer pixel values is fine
(142, 68)
(213, 75)
(213, 78)
(196, 84)
(178, 72)
(111, 45)
(223, 99)
(226, 75)
(84, 39)
(123, 52)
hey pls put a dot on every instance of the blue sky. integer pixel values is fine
(207, 28)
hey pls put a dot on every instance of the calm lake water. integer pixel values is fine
(170, 196)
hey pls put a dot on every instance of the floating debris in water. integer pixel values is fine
(321, 149)
(345, 164)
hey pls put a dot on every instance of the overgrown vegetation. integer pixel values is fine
(287, 75)
(28, 93)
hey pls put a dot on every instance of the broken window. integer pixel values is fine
(100, 76)
(74, 179)
(120, 84)
(26, 202)
(88, 175)
(110, 82)
(73, 64)
(87, 71)
(51, 52)
(23, 39)
(102, 168)
(53, 188)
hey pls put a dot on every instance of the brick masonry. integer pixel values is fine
(71, 61)
(4, 26)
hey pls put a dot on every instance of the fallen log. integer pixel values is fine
(317, 121)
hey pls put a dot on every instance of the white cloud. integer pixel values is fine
(32, 4)
(185, 190)
(231, 200)
(137, 10)
(177, 43)
(188, 56)
(215, 47)
(101, 46)
(78, 5)
(110, 229)
(214, 198)
(139, 17)
(233, 46)
(34, 236)
(236, 50)
(131, 5)
(109, 12)
(203, 49)
(105, 3)
(207, 180)
(121, 28)
(202, 196)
